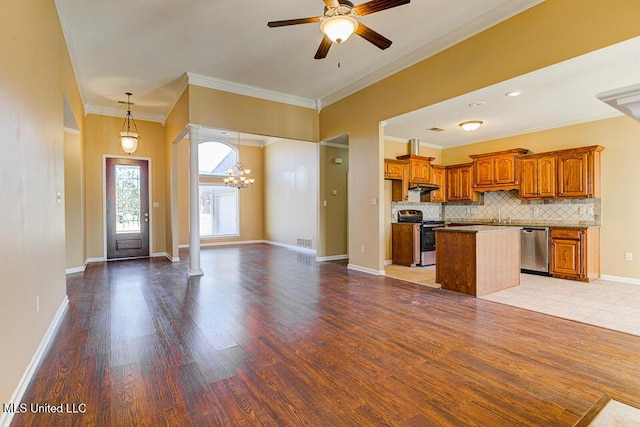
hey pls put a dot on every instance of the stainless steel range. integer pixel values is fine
(427, 234)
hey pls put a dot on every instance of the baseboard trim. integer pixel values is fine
(73, 270)
(18, 394)
(90, 260)
(620, 279)
(159, 255)
(366, 270)
(332, 258)
(292, 247)
(388, 262)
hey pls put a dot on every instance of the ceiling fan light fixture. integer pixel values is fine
(471, 125)
(338, 28)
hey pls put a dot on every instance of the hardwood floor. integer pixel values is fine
(270, 337)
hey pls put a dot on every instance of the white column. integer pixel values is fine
(194, 204)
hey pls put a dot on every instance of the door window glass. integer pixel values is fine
(127, 199)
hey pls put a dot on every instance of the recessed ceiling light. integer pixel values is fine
(514, 93)
(477, 104)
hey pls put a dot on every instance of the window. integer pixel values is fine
(218, 203)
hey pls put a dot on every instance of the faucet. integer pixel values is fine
(499, 220)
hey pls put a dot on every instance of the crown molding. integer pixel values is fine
(255, 92)
(334, 144)
(499, 14)
(116, 112)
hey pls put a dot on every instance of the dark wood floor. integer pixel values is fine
(270, 337)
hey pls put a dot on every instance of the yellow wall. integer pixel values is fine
(549, 33)
(224, 110)
(333, 217)
(102, 138)
(33, 78)
(291, 191)
(75, 242)
(251, 202)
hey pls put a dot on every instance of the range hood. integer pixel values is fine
(414, 149)
(626, 99)
(423, 188)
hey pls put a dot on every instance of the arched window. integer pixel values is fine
(218, 202)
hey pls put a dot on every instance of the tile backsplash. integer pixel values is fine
(506, 205)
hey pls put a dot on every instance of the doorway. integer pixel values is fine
(127, 208)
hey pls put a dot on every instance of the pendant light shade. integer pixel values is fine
(129, 137)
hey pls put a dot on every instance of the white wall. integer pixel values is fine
(291, 191)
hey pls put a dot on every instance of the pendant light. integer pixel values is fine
(129, 139)
(238, 176)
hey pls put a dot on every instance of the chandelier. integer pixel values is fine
(129, 139)
(238, 176)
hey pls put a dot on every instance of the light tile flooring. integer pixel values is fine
(611, 305)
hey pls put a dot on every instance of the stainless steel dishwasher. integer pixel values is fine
(534, 250)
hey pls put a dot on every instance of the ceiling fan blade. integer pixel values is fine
(323, 49)
(374, 6)
(286, 22)
(373, 37)
(331, 3)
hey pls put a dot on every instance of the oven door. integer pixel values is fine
(427, 238)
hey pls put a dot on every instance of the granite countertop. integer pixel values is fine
(559, 224)
(478, 228)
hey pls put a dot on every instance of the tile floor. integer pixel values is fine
(611, 305)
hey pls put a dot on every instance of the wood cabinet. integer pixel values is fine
(398, 172)
(419, 168)
(438, 177)
(394, 169)
(537, 176)
(575, 253)
(459, 183)
(496, 171)
(405, 244)
(579, 172)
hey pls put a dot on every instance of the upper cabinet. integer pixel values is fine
(537, 176)
(394, 169)
(419, 168)
(579, 172)
(438, 177)
(573, 173)
(496, 171)
(459, 183)
(398, 172)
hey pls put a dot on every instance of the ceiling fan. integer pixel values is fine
(339, 22)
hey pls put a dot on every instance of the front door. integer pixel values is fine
(127, 208)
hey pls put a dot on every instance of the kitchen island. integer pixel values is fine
(478, 259)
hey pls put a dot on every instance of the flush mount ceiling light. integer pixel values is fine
(514, 93)
(471, 125)
(129, 139)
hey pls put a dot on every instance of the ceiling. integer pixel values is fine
(152, 48)
(146, 47)
(560, 95)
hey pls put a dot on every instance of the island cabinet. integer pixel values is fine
(579, 172)
(496, 171)
(405, 244)
(459, 183)
(438, 177)
(575, 253)
(398, 172)
(419, 168)
(537, 176)
(477, 259)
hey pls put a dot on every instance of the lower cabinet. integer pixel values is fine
(575, 253)
(405, 244)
